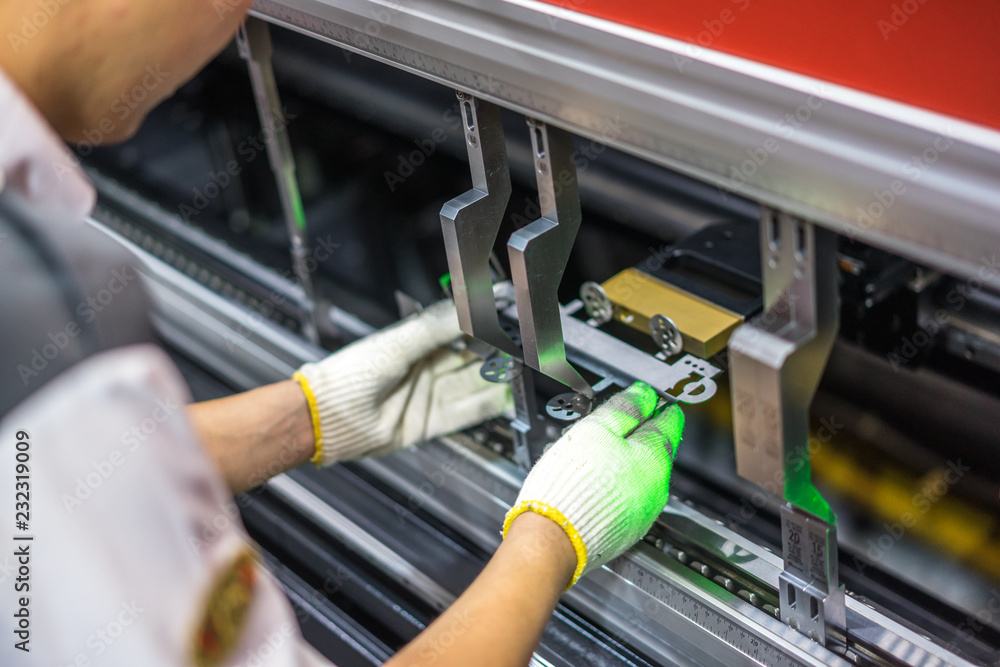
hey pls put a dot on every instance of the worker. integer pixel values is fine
(120, 476)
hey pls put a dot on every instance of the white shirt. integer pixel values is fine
(138, 555)
(34, 160)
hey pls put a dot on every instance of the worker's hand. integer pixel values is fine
(398, 387)
(607, 479)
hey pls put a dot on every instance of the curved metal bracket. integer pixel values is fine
(539, 253)
(777, 359)
(471, 222)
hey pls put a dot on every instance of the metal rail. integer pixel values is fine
(917, 183)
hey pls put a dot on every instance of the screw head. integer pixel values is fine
(568, 407)
(500, 368)
(666, 334)
(596, 302)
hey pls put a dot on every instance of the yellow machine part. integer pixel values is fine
(638, 297)
(913, 504)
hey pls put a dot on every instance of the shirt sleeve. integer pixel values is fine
(137, 554)
(34, 160)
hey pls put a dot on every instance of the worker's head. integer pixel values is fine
(95, 68)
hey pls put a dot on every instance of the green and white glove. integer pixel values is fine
(607, 479)
(398, 387)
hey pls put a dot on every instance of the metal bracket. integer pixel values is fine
(254, 43)
(539, 253)
(811, 598)
(777, 359)
(471, 223)
(619, 363)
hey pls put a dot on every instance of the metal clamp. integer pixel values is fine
(254, 43)
(471, 223)
(776, 361)
(812, 600)
(472, 220)
(539, 253)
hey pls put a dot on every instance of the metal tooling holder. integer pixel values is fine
(471, 223)
(254, 43)
(811, 598)
(539, 253)
(776, 361)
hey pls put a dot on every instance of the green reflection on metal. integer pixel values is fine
(299, 211)
(801, 492)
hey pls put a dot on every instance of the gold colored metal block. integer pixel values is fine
(638, 296)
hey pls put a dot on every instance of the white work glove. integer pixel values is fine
(398, 387)
(607, 479)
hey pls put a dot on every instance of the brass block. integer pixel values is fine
(638, 296)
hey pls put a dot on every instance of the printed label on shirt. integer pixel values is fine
(226, 611)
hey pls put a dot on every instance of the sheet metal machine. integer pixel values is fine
(757, 303)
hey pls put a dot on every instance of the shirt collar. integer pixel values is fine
(34, 160)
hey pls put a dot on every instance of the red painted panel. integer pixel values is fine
(942, 55)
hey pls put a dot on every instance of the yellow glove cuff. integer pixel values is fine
(317, 457)
(552, 513)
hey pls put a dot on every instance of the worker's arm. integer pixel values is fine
(257, 434)
(590, 497)
(398, 387)
(500, 617)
